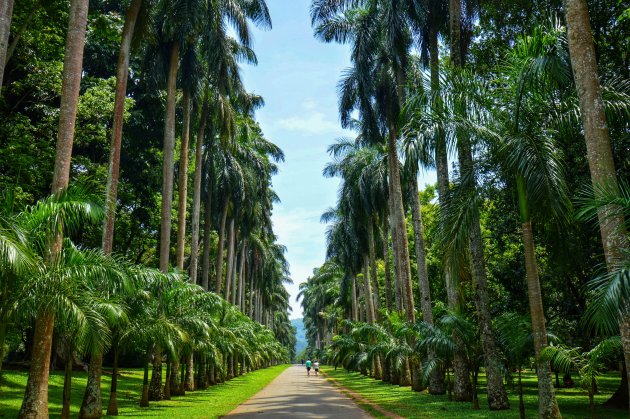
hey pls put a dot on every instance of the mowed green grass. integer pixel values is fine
(404, 402)
(211, 403)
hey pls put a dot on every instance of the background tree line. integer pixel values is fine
(522, 110)
(126, 128)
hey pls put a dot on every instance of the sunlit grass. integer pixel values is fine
(404, 402)
(211, 403)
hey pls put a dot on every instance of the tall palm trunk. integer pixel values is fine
(207, 226)
(219, 267)
(497, 396)
(230, 260)
(373, 272)
(598, 147)
(547, 404)
(18, 34)
(169, 148)
(144, 399)
(183, 182)
(92, 405)
(462, 387)
(35, 403)
(234, 280)
(122, 74)
(189, 381)
(112, 407)
(388, 272)
(156, 392)
(355, 307)
(394, 225)
(371, 315)
(436, 381)
(6, 13)
(241, 278)
(67, 383)
(251, 296)
(196, 204)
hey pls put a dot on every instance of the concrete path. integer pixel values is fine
(294, 395)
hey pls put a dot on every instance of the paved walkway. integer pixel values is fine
(294, 395)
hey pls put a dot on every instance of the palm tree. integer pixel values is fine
(587, 363)
(599, 151)
(122, 74)
(35, 402)
(380, 38)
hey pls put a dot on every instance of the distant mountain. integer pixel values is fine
(301, 338)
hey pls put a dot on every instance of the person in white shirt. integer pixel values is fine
(316, 367)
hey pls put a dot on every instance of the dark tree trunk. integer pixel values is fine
(122, 74)
(35, 403)
(155, 388)
(67, 384)
(182, 189)
(230, 260)
(112, 407)
(169, 149)
(144, 401)
(598, 147)
(207, 227)
(92, 405)
(196, 205)
(219, 267)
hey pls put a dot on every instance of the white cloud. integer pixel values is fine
(309, 104)
(311, 123)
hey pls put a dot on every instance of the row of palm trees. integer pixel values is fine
(509, 120)
(195, 48)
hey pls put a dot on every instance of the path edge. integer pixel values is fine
(359, 398)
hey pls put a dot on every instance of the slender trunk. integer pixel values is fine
(18, 35)
(219, 274)
(183, 182)
(196, 204)
(547, 404)
(122, 74)
(241, 282)
(598, 147)
(234, 279)
(67, 384)
(399, 229)
(521, 403)
(207, 227)
(369, 300)
(251, 296)
(92, 405)
(189, 384)
(373, 272)
(455, 29)
(112, 407)
(144, 401)
(169, 146)
(388, 272)
(174, 378)
(155, 388)
(166, 391)
(436, 381)
(6, 13)
(355, 308)
(35, 404)
(497, 396)
(591, 397)
(230, 260)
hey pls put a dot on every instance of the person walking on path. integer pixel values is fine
(316, 367)
(308, 367)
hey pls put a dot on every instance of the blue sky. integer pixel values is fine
(297, 76)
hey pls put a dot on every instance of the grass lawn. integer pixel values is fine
(210, 403)
(404, 402)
